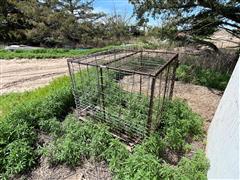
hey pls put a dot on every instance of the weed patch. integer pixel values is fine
(74, 141)
(85, 140)
(18, 127)
(179, 124)
(204, 77)
(79, 142)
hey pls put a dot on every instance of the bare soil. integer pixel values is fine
(223, 39)
(19, 75)
(202, 100)
(88, 171)
(25, 74)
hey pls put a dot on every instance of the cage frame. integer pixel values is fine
(173, 60)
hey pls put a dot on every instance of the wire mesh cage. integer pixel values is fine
(124, 88)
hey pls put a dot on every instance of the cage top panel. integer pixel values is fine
(144, 62)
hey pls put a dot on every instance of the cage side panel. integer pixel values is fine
(164, 91)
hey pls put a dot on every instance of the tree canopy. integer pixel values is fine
(196, 18)
(59, 23)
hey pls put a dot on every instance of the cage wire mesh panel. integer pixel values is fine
(124, 88)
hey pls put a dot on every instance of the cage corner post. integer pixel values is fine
(102, 91)
(150, 111)
(74, 85)
(176, 64)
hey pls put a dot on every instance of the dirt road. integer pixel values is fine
(22, 75)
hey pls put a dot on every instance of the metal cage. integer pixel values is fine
(124, 88)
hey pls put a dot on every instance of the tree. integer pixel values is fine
(82, 10)
(198, 19)
(12, 21)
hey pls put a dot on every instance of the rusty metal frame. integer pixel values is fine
(173, 62)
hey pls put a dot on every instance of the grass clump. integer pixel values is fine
(60, 87)
(204, 77)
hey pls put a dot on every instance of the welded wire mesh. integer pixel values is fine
(124, 88)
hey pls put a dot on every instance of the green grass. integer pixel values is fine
(9, 101)
(48, 53)
(204, 77)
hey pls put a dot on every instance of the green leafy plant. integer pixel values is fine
(74, 141)
(115, 155)
(19, 156)
(179, 124)
(18, 125)
(188, 168)
(80, 141)
(51, 126)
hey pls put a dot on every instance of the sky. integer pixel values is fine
(108, 6)
(122, 7)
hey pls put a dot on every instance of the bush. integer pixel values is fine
(204, 77)
(51, 126)
(140, 166)
(194, 168)
(153, 144)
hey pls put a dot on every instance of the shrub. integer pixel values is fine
(18, 126)
(194, 168)
(140, 166)
(51, 126)
(153, 144)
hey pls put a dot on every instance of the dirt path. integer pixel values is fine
(202, 100)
